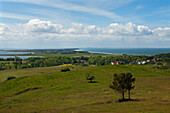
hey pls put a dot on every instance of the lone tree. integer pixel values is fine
(90, 77)
(129, 81)
(123, 82)
(119, 84)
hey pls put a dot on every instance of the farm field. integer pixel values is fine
(47, 89)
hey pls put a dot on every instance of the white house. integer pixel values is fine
(115, 62)
(143, 62)
(138, 63)
(148, 61)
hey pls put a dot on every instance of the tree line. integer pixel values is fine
(32, 62)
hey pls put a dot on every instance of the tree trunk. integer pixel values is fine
(123, 96)
(129, 94)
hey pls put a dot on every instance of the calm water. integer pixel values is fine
(12, 53)
(23, 57)
(129, 51)
(6, 52)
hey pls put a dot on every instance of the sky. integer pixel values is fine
(41, 24)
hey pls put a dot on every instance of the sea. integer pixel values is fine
(114, 51)
(8, 52)
(128, 51)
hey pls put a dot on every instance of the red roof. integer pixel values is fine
(153, 60)
(115, 62)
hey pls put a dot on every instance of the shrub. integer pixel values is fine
(65, 69)
(76, 64)
(90, 77)
(24, 66)
(84, 65)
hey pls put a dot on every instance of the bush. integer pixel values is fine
(90, 77)
(76, 64)
(65, 69)
(24, 66)
(12, 77)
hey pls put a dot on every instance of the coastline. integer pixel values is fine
(87, 51)
(127, 51)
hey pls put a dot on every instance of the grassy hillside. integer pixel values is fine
(50, 90)
(34, 71)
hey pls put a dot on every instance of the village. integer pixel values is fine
(132, 63)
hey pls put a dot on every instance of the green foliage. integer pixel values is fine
(84, 65)
(118, 84)
(123, 82)
(17, 58)
(46, 61)
(90, 77)
(129, 81)
(65, 69)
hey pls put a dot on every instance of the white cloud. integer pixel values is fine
(82, 29)
(162, 32)
(128, 29)
(36, 25)
(144, 30)
(37, 29)
(4, 30)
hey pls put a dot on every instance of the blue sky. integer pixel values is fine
(84, 23)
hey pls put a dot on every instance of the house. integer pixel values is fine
(153, 60)
(138, 63)
(143, 62)
(115, 62)
(148, 61)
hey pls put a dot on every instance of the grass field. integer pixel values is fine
(34, 71)
(49, 90)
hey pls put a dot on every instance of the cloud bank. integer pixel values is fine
(37, 29)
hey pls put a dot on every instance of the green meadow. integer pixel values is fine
(46, 89)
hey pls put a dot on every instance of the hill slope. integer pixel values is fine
(69, 91)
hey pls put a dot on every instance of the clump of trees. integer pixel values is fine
(90, 77)
(122, 83)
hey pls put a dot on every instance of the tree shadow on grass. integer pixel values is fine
(127, 100)
(93, 82)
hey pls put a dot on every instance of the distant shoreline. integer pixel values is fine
(93, 51)
(127, 51)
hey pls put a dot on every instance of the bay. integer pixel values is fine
(23, 57)
(7, 52)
